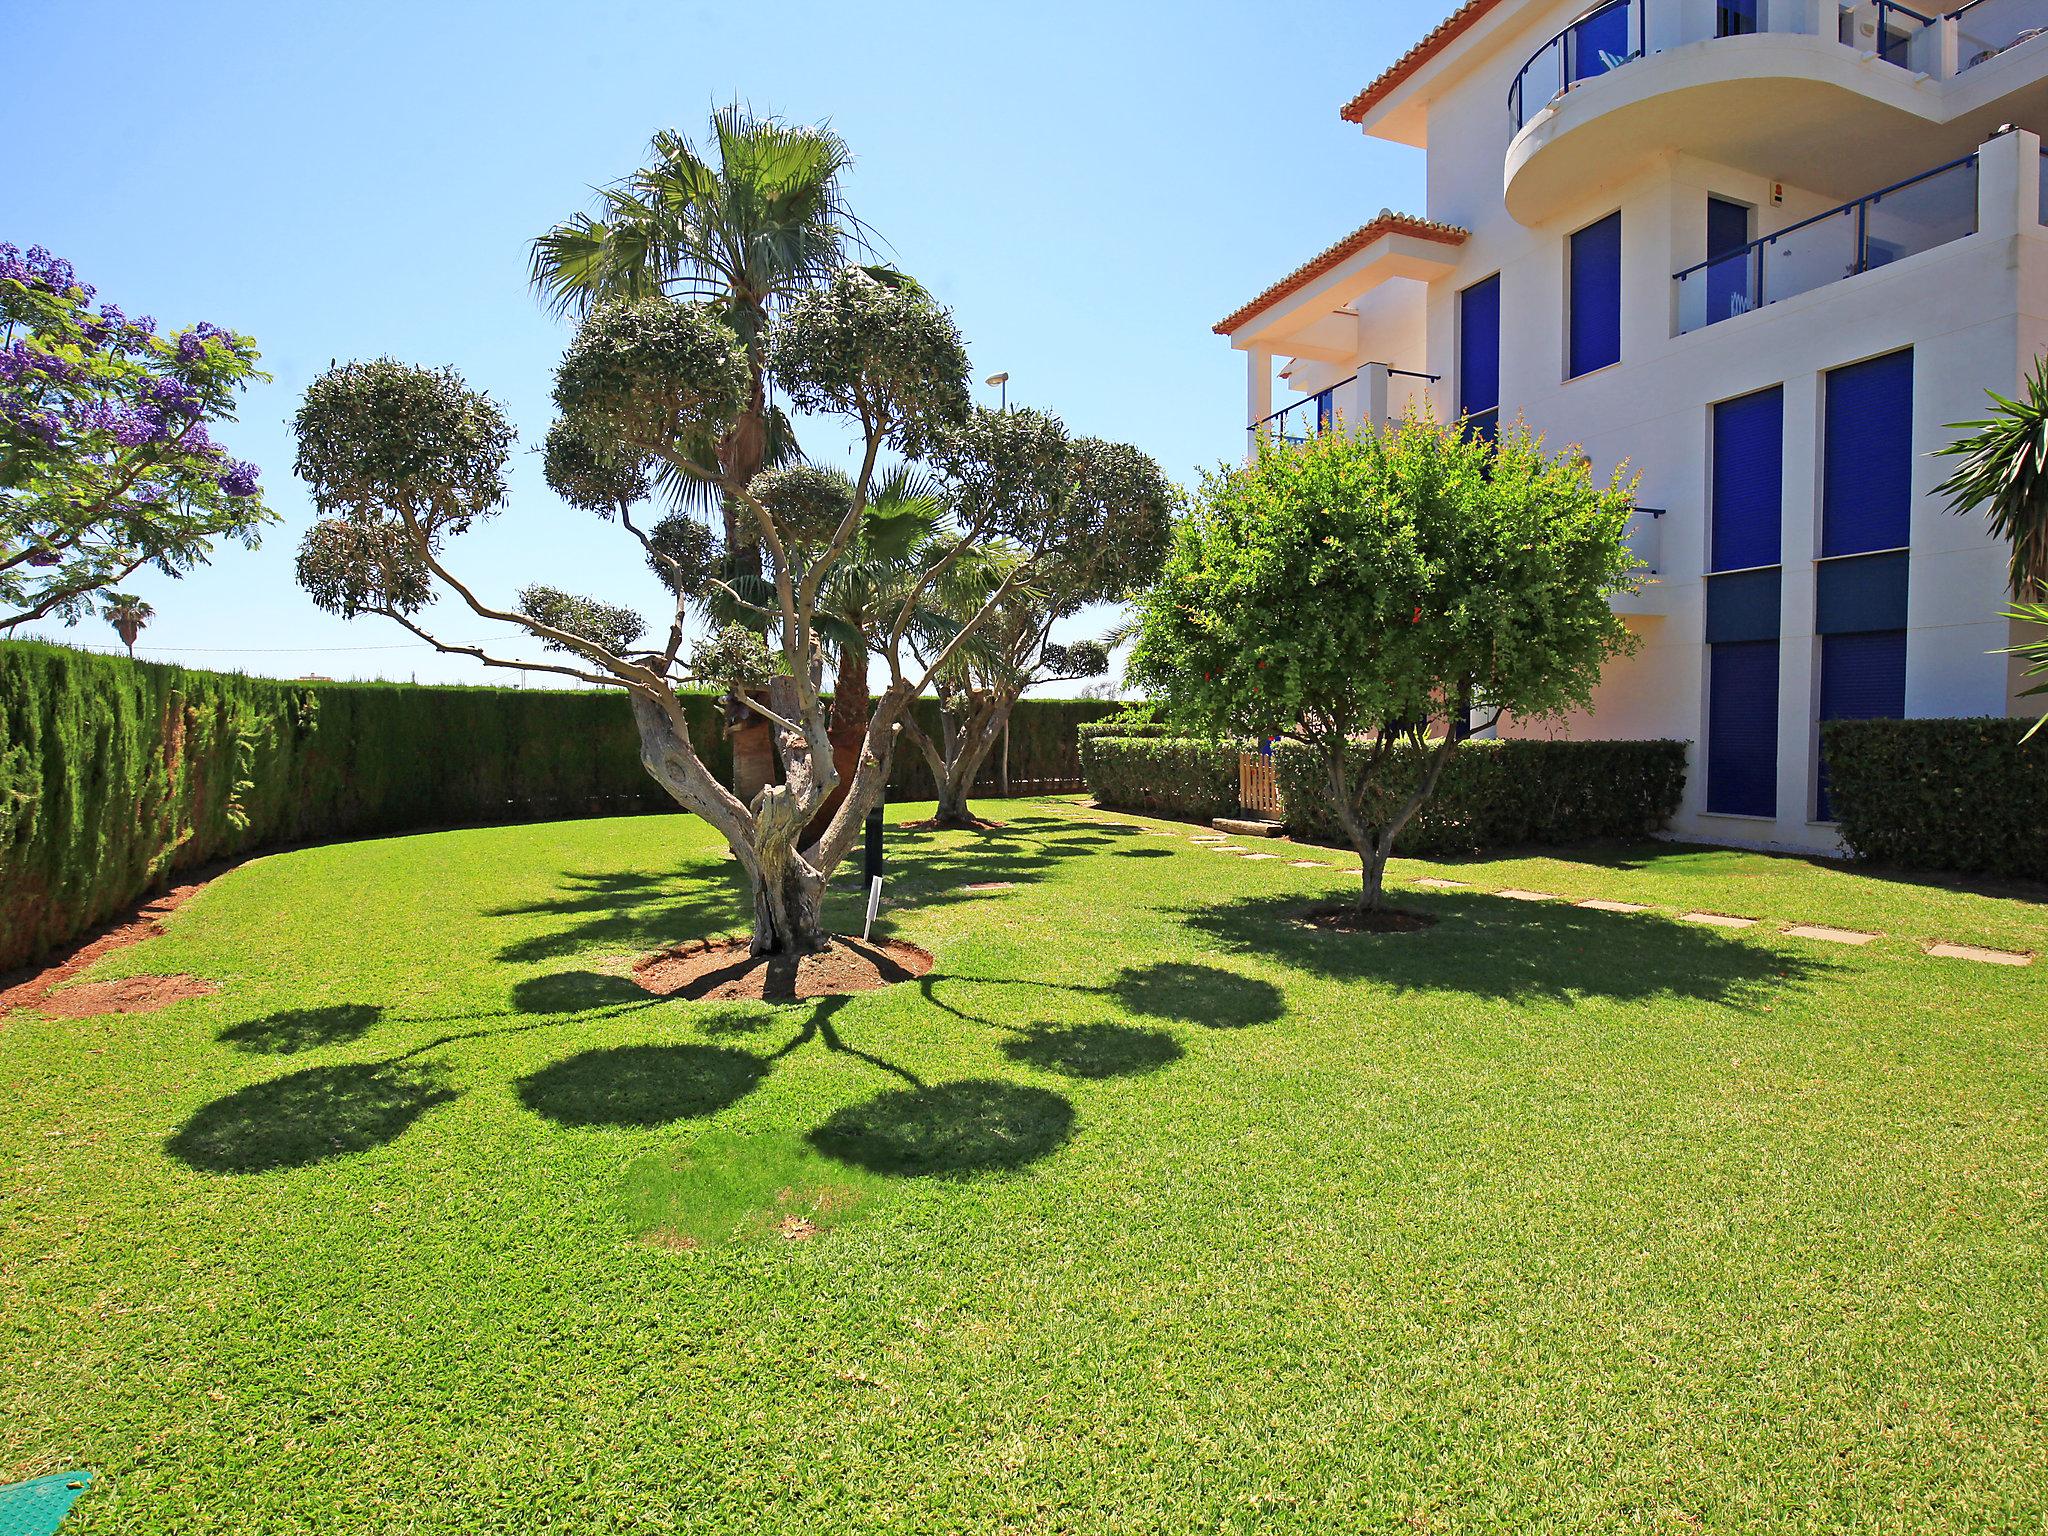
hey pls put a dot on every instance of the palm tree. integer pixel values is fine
(747, 224)
(2005, 472)
(129, 616)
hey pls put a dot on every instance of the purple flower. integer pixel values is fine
(240, 480)
(191, 346)
(176, 395)
(148, 492)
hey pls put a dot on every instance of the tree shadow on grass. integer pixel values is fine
(1198, 994)
(948, 1131)
(307, 1117)
(578, 992)
(1490, 946)
(642, 1084)
(1093, 1051)
(1141, 853)
(302, 1029)
(631, 910)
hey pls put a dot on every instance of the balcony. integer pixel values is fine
(1646, 543)
(1830, 97)
(1376, 395)
(1925, 211)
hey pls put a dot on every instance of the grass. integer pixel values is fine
(1148, 1211)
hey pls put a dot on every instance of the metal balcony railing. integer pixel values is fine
(1600, 41)
(1302, 419)
(1916, 215)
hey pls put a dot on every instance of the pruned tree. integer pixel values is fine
(1021, 460)
(1365, 593)
(106, 464)
(402, 460)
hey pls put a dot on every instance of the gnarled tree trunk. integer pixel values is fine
(956, 759)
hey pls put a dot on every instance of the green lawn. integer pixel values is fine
(1148, 1211)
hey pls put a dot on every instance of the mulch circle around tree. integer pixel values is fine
(933, 824)
(1342, 917)
(712, 971)
(130, 994)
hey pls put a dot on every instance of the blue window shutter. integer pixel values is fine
(1867, 457)
(1479, 348)
(1862, 677)
(1861, 594)
(1596, 296)
(1735, 18)
(1742, 728)
(1749, 480)
(1727, 227)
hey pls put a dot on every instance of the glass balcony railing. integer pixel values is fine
(1600, 41)
(1986, 28)
(1618, 33)
(1931, 209)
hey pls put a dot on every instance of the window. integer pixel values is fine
(1595, 297)
(1479, 357)
(1734, 18)
(1729, 288)
(1744, 595)
(1601, 41)
(1867, 457)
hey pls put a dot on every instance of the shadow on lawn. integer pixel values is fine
(307, 1117)
(950, 1130)
(1490, 946)
(1094, 1051)
(642, 1084)
(634, 910)
(302, 1029)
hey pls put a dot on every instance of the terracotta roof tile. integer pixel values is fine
(1388, 223)
(1446, 32)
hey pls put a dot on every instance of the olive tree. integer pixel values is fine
(403, 460)
(1115, 503)
(1364, 594)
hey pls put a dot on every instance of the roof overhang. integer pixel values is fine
(1392, 245)
(1395, 105)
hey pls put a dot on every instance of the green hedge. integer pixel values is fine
(1958, 795)
(1045, 753)
(1171, 776)
(1505, 794)
(1494, 794)
(116, 775)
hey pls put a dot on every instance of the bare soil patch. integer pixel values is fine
(29, 989)
(972, 824)
(721, 970)
(130, 994)
(1342, 917)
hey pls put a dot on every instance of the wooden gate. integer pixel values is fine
(1257, 790)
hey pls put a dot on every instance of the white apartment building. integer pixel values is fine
(1761, 251)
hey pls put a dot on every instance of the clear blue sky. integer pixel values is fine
(1088, 186)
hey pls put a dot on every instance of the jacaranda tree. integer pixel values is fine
(1365, 593)
(1024, 463)
(403, 460)
(106, 464)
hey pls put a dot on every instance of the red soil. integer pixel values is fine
(718, 971)
(32, 989)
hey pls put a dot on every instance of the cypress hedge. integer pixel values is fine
(116, 775)
(1965, 796)
(1493, 794)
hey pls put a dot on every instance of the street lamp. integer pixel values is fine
(1000, 381)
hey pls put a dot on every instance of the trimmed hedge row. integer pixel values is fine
(1506, 794)
(116, 775)
(1494, 794)
(1958, 795)
(1045, 756)
(1172, 776)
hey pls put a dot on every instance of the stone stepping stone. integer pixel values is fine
(990, 887)
(1250, 856)
(1597, 905)
(1717, 920)
(1981, 956)
(1513, 894)
(1430, 882)
(1231, 848)
(1825, 935)
(1307, 864)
